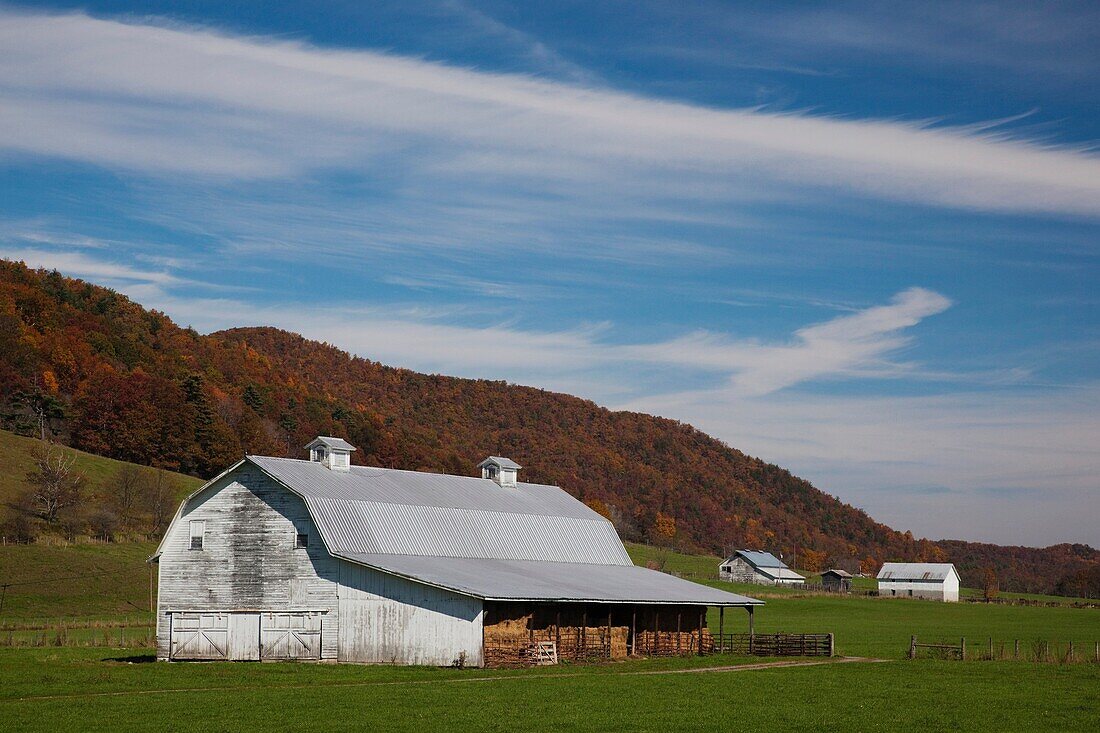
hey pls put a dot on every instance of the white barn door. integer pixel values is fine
(199, 636)
(244, 637)
(293, 635)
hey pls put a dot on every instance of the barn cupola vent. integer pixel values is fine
(501, 470)
(332, 453)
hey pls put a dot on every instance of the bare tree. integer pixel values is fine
(159, 499)
(55, 483)
(130, 483)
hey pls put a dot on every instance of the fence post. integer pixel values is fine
(832, 647)
(991, 648)
(912, 647)
(1071, 651)
(1016, 650)
(1097, 651)
(721, 629)
(962, 648)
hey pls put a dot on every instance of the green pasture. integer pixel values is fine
(114, 690)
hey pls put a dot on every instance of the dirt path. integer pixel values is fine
(452, 680)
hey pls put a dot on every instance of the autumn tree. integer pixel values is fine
(597, 505)
(990, 587)
(664, 529)
(55, 484)
(813, 560)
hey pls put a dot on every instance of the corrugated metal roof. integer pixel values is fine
(331, 442)
(780, 574)
(502, 462)
(504, 580)
(378, 510)
(838, 573)
(760, 559)
(916, 571)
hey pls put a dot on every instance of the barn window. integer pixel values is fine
(301, 540)
(198, 529)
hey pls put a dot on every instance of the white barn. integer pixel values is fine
(757, 566)
(318, 559)
(934, 580)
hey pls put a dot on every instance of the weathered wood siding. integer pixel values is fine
(248, 560)
(945, 591)
(386, 619)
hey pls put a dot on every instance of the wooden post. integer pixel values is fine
(1096, 651)
(912, 647)
(557, 631)
(991, 648)
(962, 648)
(609, 633)
(656, 628)
(679, 615)
(1071, 651)
(1016, 649)
(633, 632)
(722, 629)
(702, 615)
(832, 646)
(582, 641)
(752, 632)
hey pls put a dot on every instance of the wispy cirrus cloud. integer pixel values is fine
(110, 93)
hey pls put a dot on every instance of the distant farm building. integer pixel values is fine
(757, 566)
(836, 581)
(934, 580)
(318, 559)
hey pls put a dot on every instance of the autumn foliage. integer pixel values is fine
(99, 372)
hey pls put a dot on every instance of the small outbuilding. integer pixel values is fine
(757, 566)
(836, 581)
(938, 581)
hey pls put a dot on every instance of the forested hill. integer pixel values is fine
(110, 377)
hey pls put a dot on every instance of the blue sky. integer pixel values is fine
(857, 240)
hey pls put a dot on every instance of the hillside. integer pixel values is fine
(109, 377)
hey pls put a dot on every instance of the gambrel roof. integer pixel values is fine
(474, 537)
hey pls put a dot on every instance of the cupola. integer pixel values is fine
(332, 453)
(501, 470)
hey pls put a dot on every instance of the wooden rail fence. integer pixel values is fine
(1040, 650)
(776, 645)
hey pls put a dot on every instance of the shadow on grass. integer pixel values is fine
(133, 659)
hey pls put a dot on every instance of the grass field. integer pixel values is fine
(93, 690)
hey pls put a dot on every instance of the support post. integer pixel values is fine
(582, 641)
(702, 616)
(721, 629)
(679, 615)
(913, 647)
(832, 645)
(633, 632)
(609, 633)
(656, 631)
(557, 631)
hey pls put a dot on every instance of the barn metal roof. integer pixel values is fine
(929, 572)
(379, 510)
(331, 442)
(760, 559)
(838, 573)
(502, 462)
(780, 574)
(522, 580)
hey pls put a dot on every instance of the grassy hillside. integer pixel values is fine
(16, 462)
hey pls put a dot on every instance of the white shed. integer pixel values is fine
(937, 581)
(319, 559)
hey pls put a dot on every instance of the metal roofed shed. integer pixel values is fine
(284, 558)
(929, 580)
(757, 566)
(836, 581)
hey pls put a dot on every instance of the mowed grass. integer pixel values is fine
(93, 690)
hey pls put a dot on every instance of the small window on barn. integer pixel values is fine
(198, 529)
(301, 540)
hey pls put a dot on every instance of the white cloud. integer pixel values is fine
(856, 343)
(182, 100)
